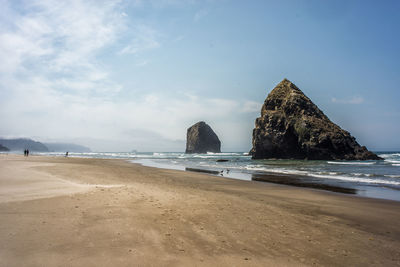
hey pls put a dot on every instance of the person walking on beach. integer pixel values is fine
(25, 153)
(66, 154)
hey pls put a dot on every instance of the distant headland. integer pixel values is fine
(20, 144)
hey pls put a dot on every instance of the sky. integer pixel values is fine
(124, 75)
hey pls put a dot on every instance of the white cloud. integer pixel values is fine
(251, 106)
(164, 3)
(60, 39)
(354, 100)
(146, 38)
(178, 39)
(120, 124)
(200, 15)
(53, 85)
(48, 49)
(142, 63)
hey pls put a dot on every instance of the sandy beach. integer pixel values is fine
(57, 211)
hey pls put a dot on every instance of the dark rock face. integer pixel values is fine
(202, 139)
(3, 148)
(291, 126)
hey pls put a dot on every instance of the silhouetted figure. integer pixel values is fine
(27, 152)
(66, 154)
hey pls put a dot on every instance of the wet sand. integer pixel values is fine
(93, 212)
(294, 180)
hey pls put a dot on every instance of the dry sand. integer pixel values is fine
(92, 212)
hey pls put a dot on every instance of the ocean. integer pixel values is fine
(376, 179)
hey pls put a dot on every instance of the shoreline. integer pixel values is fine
(296, 180)
(185, 218)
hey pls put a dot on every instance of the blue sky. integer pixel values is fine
(123, 75)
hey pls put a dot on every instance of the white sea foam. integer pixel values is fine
(280, 171)
(224, 154)
(352, 177)
(203, 156)
(392, 176)
(396, 165)
(390, 155)
(356, 179)
(350, 163)
(142, 156)
(393, 161)
(328, 173)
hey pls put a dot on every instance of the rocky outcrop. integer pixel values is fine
(3, 148)
(202, 139)
(291, 126)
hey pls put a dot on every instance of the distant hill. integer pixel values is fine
(63, 147)
(22, 144)
(3, 148)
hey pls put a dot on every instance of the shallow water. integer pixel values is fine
(380, 179)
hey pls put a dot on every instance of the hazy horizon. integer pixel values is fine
(124, 75)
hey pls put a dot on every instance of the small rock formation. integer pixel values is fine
(3, 148)
(291, 126)
(202, 139)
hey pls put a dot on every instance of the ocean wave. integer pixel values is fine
(392, 176)
(351, 163)
(357, 179)
(224, 154)
(330, 173)
(364, 174)
(393, 161)
(351, 177)
(279, 171)
(396, 165)
(204, 156)
(389, 155)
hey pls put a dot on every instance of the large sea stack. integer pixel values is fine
(202, 139)
(291, 126)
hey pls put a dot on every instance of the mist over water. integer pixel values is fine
(379, 179)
